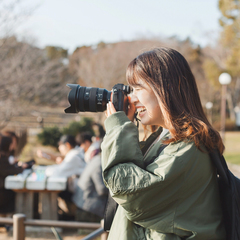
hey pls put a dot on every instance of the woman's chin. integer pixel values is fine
(144, 121)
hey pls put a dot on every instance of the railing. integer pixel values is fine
(19, 222)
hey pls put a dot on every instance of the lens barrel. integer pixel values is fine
(87, 99)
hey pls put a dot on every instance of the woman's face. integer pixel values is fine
(147, 104)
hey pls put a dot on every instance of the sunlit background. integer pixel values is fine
(46, 44)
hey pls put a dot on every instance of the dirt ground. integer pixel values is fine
(45, 234)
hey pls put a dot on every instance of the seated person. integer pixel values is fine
(7, 199)
(90, 195)
(84, 141)
(13, 146)
(13, 149)
(72, 163)
(99, 131)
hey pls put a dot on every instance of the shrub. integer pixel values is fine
(75, 127)
(50, 136)
(229, 125)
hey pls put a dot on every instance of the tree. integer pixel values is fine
(230, 36)
(53, 52)
(28, 77)
(104, 65)
(230, 39)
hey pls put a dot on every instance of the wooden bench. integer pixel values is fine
(35, 181)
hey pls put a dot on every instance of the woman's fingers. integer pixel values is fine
(131, 109)
(110, 109)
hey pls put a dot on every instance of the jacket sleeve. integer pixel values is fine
(142, 193)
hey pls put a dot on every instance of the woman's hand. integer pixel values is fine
(131, 109)
(22, 164)
(110, 109)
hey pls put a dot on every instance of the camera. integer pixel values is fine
(90, 99)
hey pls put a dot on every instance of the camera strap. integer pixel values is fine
(137, 119)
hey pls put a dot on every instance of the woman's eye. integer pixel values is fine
(137, 89)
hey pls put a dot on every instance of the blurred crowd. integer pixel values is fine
(79, 160)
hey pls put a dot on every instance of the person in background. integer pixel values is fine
(13, 147)
(7, 197)
(90, 195)
(13, 160)
(72, 163)
(71, 167)
(99, 131)
(83, 141)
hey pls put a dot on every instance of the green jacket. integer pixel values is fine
(174, 197)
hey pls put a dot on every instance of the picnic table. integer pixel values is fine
(32, 181)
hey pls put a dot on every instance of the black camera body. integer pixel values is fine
(87, 99)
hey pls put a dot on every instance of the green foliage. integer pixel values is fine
(230, 22)
(50, 136)
(232, 151)
(195, 54)
(233, 61)
(75, 127)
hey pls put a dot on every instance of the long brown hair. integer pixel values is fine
(170, 77)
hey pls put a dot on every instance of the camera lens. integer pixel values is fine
(87, 99)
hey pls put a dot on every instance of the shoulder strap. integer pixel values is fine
(220, 164)
(110, 212)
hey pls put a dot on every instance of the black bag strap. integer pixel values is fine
(220, 164)
(110, 212)
(229, 196)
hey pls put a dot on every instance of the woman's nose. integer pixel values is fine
(134, 98)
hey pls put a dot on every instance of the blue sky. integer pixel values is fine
(72, 23)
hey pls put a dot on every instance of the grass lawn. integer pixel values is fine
(232, 147)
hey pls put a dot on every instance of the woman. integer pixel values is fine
(174, 194)
(7, 197)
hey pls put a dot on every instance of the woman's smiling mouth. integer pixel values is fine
(141, 111)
